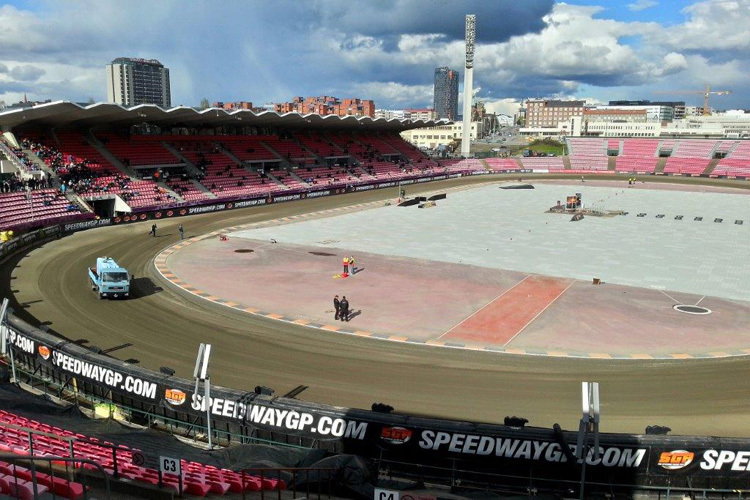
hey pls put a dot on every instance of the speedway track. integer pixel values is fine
(49, 286)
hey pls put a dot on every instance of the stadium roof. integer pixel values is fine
(70, 114)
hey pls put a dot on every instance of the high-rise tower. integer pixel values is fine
(138, 81)
(446, 93)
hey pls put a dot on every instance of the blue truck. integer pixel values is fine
(109, 279)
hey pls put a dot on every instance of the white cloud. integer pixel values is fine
(507, 106)
(394, 92)
(639, 5)
(573, 47)
(573, 50)
(711, 25)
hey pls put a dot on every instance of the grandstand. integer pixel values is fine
(36, 207)
(24, 436)
(148, 172)
(551, 164)
(737, 162)
(587, 154)
(469, 164)
(502, 164)
(638, 156)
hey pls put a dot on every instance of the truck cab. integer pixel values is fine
(109, 279)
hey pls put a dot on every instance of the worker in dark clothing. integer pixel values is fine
(337, 305)
(344, 314)
(153, 230)
(182, 232)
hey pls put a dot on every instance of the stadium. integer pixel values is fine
(437, 313)
(236, 301)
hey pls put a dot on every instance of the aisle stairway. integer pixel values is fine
(660, 165)
(112, 159)
(711, 166)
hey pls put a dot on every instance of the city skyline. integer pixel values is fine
(586, 49)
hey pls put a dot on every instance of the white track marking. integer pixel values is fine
(537, 314)
(488, 303)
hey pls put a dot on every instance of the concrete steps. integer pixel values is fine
(276, 180)
(99, 146)
(318, 159)
(294, 175)
(203, 188)
(190, 167)
(611, 162)
(166, 188)
(711, 166)
(229, 154)
(660, 166)
(39, 163)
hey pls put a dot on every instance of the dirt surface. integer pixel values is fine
(429, 301)
(710, 397)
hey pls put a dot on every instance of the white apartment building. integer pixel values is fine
(432, 137)
(654, 113)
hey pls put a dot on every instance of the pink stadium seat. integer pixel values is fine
(198, 479)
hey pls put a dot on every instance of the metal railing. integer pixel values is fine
(70, 440)
(171, 425)
(528, 485)
(297, 473)
(38, 477)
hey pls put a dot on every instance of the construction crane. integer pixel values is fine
(706, 93)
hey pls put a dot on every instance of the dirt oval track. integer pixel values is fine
(162, 327)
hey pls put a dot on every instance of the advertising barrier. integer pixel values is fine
(625, 459)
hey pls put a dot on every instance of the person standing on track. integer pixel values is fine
(344, 309)
(346, 265)
(153, 230)
(182, 232)
(337, 306)
(351, 264)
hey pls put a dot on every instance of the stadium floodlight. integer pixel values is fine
(200, 372)
(470, 41)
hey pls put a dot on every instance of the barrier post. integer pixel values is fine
(114, 463)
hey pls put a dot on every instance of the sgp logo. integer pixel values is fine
(395, 435)
(677, 459)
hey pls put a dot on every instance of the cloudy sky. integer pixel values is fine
(386, 50)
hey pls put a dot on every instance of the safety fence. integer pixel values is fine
(314, 483)
(148, 397)
(57, 477)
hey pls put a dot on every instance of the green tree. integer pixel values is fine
(205, 104)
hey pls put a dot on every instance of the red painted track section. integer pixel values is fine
(503, 318)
